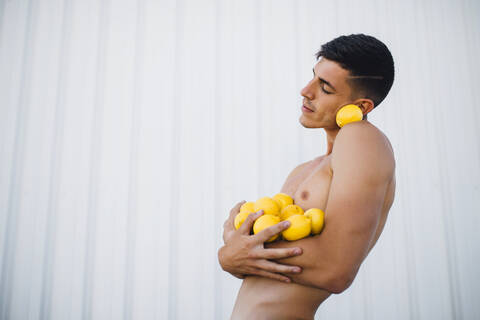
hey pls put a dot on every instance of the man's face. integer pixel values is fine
(325, 94)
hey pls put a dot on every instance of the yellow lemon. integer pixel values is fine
(283, 199)
(265, 221)
(290, 210)
(268, 205)
(279, 205)
(300, 227)
(240, 218)
(347, 114)
(318, 219)
(247, 207)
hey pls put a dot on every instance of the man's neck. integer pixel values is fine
(331, 135)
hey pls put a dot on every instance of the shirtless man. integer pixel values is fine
(353, 183)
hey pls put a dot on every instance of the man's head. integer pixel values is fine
(355, 69)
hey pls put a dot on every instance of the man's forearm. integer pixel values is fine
(319, 269)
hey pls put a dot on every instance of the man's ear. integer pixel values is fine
(365, 104)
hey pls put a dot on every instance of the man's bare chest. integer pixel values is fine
(310, 187)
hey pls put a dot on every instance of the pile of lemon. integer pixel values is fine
(279, 208)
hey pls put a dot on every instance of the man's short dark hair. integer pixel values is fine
(369, 62)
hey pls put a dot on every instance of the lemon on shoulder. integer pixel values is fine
(268, 205)
(317, 217)
(347, 114)
(247, 207)
(300, 227)
(283, 199)
(265, 221)
(240, 218)
(290, 210)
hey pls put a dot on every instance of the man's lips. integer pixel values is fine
(308, 108)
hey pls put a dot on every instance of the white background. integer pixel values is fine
(129, 129)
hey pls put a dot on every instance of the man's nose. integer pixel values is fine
(307, 91)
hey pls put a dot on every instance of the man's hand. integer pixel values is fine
(244, 254)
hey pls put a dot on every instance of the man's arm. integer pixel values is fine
(363, 166)
(244, 254)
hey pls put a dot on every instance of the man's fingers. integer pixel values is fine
(236, 209)
(277, 267)
(227, 234)
(272, 275)
(248, 223)
(228, 224)
(238, 275)
(278, 253)
(228, 227)
(269, 232)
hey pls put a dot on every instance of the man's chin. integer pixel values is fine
(308, 124)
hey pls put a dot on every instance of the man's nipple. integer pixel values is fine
(304, 195)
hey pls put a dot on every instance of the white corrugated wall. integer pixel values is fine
(129, 129)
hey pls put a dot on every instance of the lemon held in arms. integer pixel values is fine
(240, 218)
(268, 205)
(349, 113)
(289, 211)
(317, 217)
(265, 221)
(300, 227)
(247, 207)
(283, 199)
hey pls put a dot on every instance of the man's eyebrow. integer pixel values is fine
(324, 81)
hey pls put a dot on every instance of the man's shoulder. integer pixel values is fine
(303, 166)
(363, 134)
(360, 127)
(298, 169)
(362, 140)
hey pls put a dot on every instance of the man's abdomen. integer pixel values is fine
(263, 298)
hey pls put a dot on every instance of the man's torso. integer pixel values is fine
(264, 298)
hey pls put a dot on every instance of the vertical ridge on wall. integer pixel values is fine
(227, 151)
(195, 155)
(2, 21)
(298, 9)
(131, 236)
(16, 175)
(95, 157)
(207, 152)
(403, 181)
(217, 157)
(259, 78)
(444, 181)
(56, 161)
(454, 285)
(469, 255)
(175, 156)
